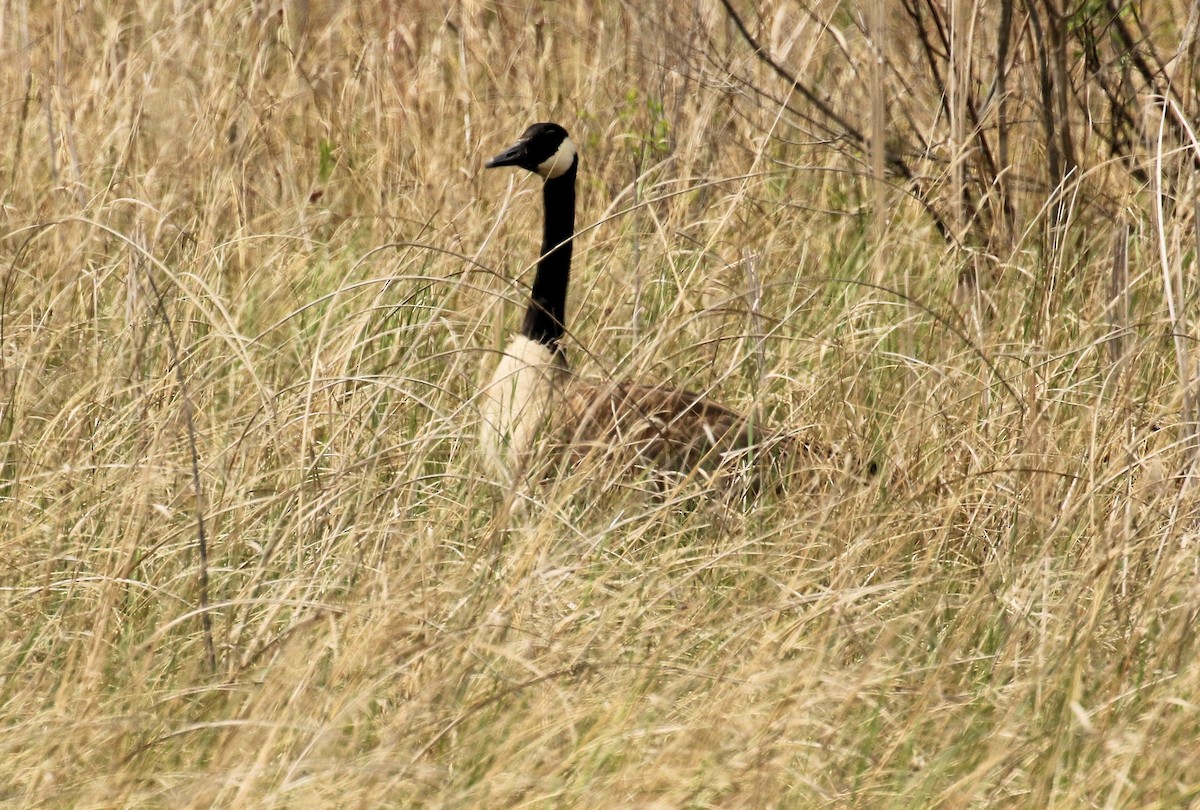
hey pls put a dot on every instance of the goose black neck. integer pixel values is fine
(548, 302)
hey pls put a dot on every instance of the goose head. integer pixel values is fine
(543, 148)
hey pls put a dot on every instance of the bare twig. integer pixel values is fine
(190, 424)
(879, 129)
(1000, 89)
(1118, 298)
(1173, 293)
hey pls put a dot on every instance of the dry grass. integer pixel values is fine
(269, 236)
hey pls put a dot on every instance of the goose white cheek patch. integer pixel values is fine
(555, 165)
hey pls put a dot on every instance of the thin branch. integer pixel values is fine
(189, 421)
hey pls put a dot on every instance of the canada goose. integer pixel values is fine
(533, 401)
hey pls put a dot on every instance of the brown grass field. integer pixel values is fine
(253, 273)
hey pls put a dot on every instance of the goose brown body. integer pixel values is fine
(654, 426)
(534, 404)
